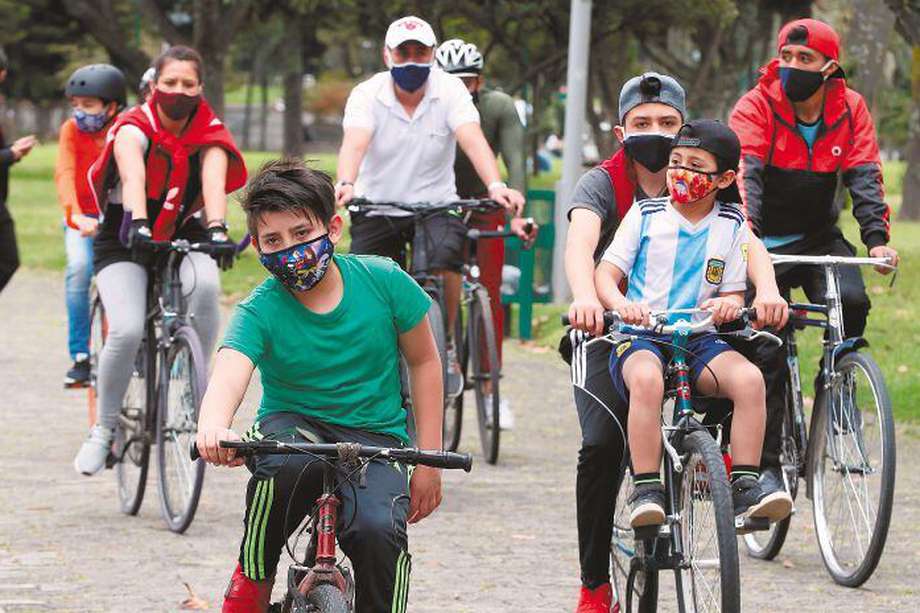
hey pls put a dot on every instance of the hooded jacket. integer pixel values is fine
(788, 188)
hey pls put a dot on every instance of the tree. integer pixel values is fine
(908, 25)
(110, 23)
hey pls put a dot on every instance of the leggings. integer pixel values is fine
(123, 288)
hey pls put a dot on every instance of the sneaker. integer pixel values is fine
(771, 480)
(78, 375)
(94, 451)
(505, 416)
(751, 501)
(647, 502)
(597, 600)
(454, 382)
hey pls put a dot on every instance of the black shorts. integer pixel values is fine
(444, 240)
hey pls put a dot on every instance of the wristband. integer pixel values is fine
(496, 185)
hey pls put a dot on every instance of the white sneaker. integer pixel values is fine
(94, 451)
(505, 416)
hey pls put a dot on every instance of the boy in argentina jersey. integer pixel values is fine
(687, 251)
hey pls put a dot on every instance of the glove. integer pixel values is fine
(138, 234)
(218, 237)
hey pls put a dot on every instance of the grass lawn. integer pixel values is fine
(893, 327)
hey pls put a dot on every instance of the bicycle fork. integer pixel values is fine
(324, 569)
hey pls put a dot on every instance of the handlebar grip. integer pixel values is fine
(243, 449)
(445, 459)
(611, 318)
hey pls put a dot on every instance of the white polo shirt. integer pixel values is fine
(409, 159)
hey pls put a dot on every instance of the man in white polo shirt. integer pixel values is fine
(401, 129)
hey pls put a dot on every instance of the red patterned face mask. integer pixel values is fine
(687, 185)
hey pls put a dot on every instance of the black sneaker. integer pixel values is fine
(78, 375)
(647, 502)
(751, 501)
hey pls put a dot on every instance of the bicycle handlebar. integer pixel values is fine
(476, 234)
(831, 260)
(360, 205)
(410, 456)
(185, 246)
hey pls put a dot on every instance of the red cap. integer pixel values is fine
(813, 34)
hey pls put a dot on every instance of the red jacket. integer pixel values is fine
(173, 168)
(787, 189)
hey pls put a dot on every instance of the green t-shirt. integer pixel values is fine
(340, 367)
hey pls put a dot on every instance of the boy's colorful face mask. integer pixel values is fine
(90, 122)
(300, 267)
(687, 185)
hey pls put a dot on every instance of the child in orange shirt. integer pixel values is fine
(97, 94)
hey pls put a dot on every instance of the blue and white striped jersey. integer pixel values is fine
(674, 264)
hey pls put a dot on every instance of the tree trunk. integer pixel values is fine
(247, 110)
(871, 26)
(293, 89)
(910, 198)
(263, 116)
(214, 82)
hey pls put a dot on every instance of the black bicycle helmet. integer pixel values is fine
(99, 81)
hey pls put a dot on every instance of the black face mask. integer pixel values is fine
(800, 85)
(650, 150)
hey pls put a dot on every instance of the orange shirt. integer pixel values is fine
(76, 153)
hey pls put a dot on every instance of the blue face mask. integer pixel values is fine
(90, 123)
(300, 267)
(410, 76)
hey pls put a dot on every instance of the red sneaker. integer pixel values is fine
(245, 595)
(597, 600)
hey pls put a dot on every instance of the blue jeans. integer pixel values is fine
(77, 278)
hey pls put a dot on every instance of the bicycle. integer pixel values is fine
(833, 455)
(697, 541)
(317, 583)
(479, 331)
(432, 284)
(163, 397)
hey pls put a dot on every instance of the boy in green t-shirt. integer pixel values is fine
(325, 332)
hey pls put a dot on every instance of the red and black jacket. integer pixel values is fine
(787, 188)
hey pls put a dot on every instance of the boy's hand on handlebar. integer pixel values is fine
(587, 315)
(208, 442)
(344, 194)
(772, 310)
(884, 251)
(634, 313)
(424, 492)
(723, 309)
(509, 198)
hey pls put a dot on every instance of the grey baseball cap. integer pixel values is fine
(652, 87)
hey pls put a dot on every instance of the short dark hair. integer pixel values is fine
(179, 53)
(288, 185)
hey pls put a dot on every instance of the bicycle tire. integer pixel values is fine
(453, 408)
(766, 544)
(327, 598)
(176, 430)
(642, 598)
(132, 431)
(837, 422)
(98, 331)
(482, 340)
(711, 484)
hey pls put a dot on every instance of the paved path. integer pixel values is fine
(504, 539)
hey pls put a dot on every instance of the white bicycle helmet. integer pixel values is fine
(459, 58)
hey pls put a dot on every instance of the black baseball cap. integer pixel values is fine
(713, 136)
(721, 141)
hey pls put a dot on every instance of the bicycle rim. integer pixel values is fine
(181, 388)
(707, 532)
(853, 470)
(623, 549)
(453, 408)
(485, 380)
(131, 439)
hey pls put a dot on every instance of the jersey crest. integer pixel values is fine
(715, 268)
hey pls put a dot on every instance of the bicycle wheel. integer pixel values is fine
(326, 598)
(453, 407)
(711, 580)
(132, 438)
(98, 331)
(182, 384)
(852, 469)
(642, 595)
(485, 380)
(766, 544)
